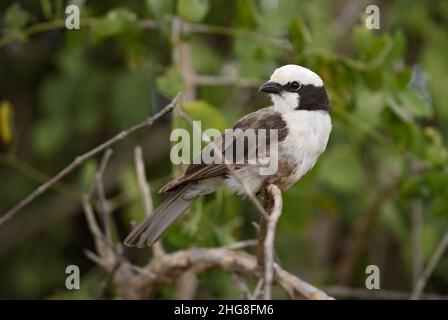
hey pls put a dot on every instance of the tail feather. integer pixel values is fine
(150, 229)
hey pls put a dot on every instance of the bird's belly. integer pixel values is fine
(307, 139)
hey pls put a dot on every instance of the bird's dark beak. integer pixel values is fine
(270, 87)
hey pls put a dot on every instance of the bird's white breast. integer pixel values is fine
(308, 133)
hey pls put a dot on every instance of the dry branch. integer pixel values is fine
(145, 189)
(273, 204)
(182, 266)
(438, 253)
(174, 264)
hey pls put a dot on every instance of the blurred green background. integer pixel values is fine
(378, 195)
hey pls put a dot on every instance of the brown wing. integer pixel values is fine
(265, 118)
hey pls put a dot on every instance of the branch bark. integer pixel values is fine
(266, 236)
(137, 282)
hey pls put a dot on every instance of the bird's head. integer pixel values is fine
(295, 87)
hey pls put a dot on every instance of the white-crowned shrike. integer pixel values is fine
(300, 114)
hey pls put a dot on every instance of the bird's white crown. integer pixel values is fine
(292, 72)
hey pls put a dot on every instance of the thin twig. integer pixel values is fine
(174, 264)
(104, 205)
(257, 290)
(416, 221)
(181, 56)
(241, 285)
(416, 218)
(187, 284)
(268, 244)
(142, 182)
(82, 158)
(145, 191)
(438, 253)
(105, 284)
(242, 244)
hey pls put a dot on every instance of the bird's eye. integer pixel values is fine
(295, 85)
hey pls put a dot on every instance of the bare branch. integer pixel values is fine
(82, 158)
(416, 218)
(142, 182)
(181, 56)
(242, 244)
(187, 284)
(438, 253)
(268, 244)
(257, 290)
(103, 247)
(104, 205)
(241, 285)
(174, 264)
(145, 191)
(266, 236)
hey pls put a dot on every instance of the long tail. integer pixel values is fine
(150, 229)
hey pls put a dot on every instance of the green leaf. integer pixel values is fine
(403, 78)
(368, 105)
(205, 59)
(118, 21)
(209, 115)
(171, 82)
(394, 49)
(160, 7)
(395, 104)
(6, 122)
(408, 104)
(246, 14)
(46, 8)
(299, 34)
(15, 17)
(162, 11)
(192, 10)
(437, 154)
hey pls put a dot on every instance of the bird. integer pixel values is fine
(301, 115)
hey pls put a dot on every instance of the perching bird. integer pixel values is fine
(301, 115)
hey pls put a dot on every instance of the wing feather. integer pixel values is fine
(266, 118)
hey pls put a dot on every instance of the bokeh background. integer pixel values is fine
(378, 195)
